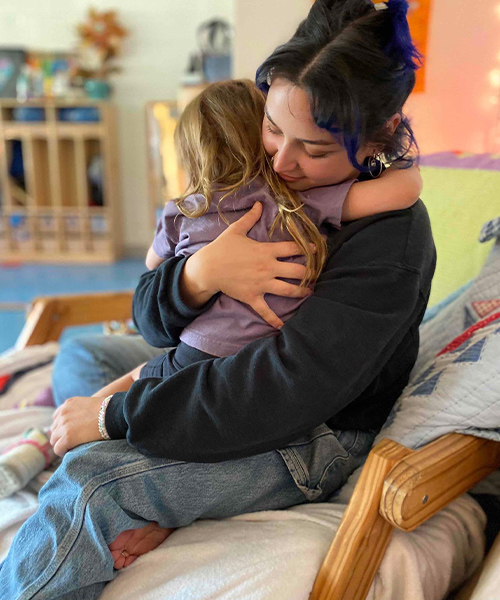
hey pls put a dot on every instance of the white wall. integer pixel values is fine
(162, 34)
(260, 26)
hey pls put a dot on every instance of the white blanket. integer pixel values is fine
(272, 555)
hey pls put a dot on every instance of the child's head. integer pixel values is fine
(218, 136)
(219, 144)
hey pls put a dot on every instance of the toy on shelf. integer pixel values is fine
(45, 75)
(100, 42)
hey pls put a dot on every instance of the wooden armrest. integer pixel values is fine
(398, 487)
(362, 537)
(50, 315)
(424, 482)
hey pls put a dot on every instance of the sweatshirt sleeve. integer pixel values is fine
(276, 389)
(159, 312)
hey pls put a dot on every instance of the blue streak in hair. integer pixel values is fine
(350, 141)
(263, 85)
(401, 46)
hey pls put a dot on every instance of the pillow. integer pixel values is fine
(479, 299)
(25, 376)
(458, 392)
(460, 191)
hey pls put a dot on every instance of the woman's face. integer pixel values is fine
(304, 155)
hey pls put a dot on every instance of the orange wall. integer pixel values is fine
(458, 109)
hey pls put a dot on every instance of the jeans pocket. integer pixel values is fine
(321, 462)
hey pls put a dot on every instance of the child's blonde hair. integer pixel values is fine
(219, 144)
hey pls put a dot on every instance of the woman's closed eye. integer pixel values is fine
(274, 131)
(324, 155)
(271, 130)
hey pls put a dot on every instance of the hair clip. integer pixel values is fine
(381, 6)
(269, 77)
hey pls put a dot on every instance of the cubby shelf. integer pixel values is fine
(50, 210)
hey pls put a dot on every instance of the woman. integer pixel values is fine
(286, 419)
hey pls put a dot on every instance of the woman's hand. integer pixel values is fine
(243, 269)
(75, 423)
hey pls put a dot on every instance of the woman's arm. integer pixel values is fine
(363, 316)
(395, 189)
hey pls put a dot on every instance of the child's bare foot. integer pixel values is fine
(133, 543)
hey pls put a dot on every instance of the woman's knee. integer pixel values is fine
(84, 365)
(91, 464)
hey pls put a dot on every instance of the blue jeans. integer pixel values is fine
(86, 364)
(104, 488)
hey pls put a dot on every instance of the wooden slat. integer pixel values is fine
(430, 478)
(112, 192)
(362, 537)
(50, 316)
(16, 130)
(104, 257)
(56, 200)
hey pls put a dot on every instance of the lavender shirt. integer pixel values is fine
(228, 324)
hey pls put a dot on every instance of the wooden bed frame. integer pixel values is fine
(398, 487)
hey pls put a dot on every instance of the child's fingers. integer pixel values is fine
(260, 307)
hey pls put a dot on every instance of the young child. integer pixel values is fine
(218, 140)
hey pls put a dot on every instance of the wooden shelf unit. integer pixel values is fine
(50, 216)
(165, 177)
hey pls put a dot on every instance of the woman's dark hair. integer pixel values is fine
(357, 64)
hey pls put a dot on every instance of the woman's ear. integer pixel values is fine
(393, 122)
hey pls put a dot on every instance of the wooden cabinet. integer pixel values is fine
(51, 208)
(165, 178)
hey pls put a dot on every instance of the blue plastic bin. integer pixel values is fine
(79, 113)
(29, 113)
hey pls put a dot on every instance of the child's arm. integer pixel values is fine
(122, 384)
(153, 260)
(393, 190)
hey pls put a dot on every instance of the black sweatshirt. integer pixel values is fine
(342, 359)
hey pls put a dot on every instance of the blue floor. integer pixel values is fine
(20, 284)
